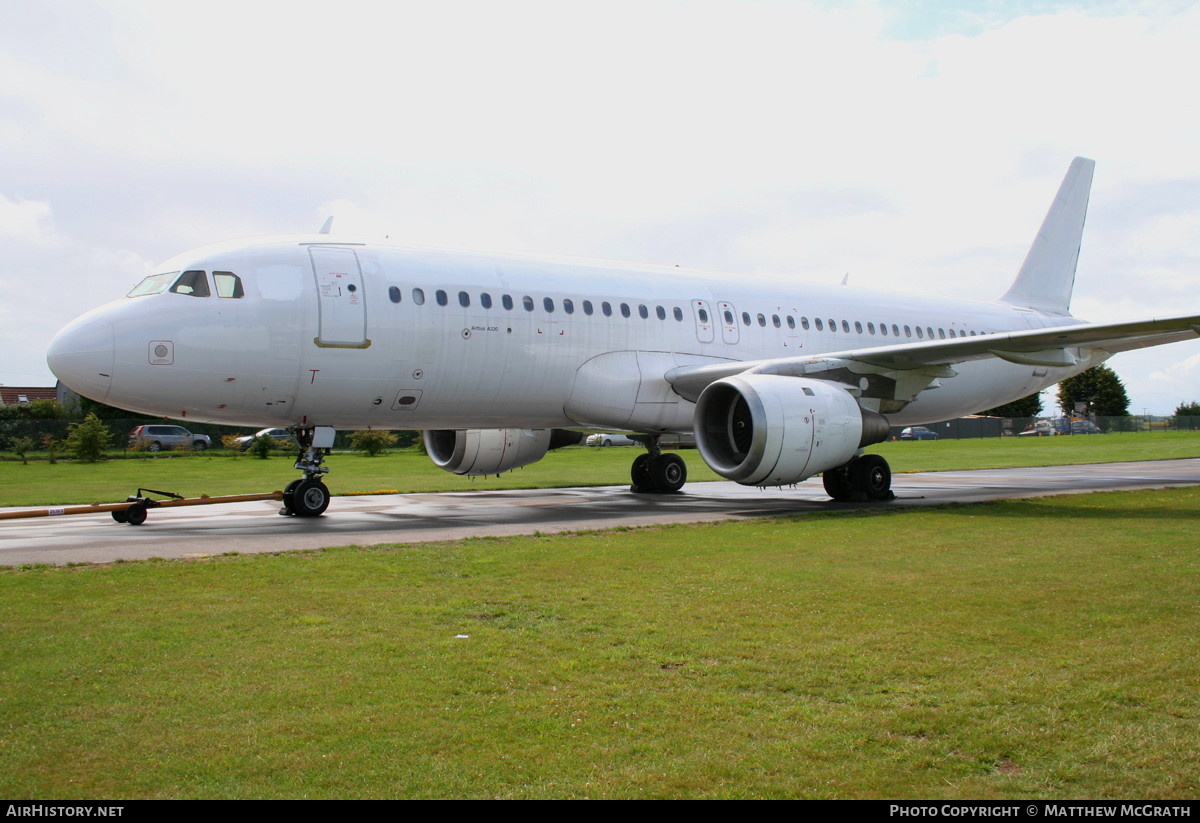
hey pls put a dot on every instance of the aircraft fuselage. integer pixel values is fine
(313, 330)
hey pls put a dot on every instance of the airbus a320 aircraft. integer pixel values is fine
(501, 358)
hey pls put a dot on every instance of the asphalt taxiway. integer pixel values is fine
(414, 518)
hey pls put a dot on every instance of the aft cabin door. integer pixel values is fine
(340, 298)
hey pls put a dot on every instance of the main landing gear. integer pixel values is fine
(655, 472)
(866, 477)
(309, 497)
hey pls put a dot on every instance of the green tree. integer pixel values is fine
(1030, 406)
(1187, 415)
(88, 440)
(22, 446)
(1098, 387)
(372, 442)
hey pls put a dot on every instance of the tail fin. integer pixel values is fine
(1048, 273)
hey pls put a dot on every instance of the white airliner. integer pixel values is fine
(502, 358)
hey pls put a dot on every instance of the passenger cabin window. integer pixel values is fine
(643, 312)
(568, 305)
(442, 298)
(625, 310)
(485, 300)
(393, 292)
(606, 307)
(587, 307)
(419, 297)
(154, 284)
(507, 302)
(677, 313)
(661, 312)
(548, 305)
(527, 302)
(464, 299)
(193, 283)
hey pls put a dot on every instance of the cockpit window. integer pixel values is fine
(194, 283)
(154, 284)
(230, 285)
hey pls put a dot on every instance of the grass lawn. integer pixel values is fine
(213, 473)
(1028, 649)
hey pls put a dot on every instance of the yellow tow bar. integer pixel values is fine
(133, 509)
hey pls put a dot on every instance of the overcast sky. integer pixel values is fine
(915, 146)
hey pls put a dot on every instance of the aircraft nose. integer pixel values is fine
(81, 356)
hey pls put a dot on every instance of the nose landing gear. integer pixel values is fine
(309, 497)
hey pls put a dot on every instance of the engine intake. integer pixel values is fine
(772, 430)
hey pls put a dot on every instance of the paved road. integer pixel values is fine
(409, 518)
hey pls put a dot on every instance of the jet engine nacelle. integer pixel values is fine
(492, 451)
(771, 430)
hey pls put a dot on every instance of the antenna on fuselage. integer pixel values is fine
(846, 279)
(328, 225)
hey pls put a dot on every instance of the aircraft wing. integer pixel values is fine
(926, 361)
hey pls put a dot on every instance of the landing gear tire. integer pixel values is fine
(837, 483)
(640, 475)
(669, 473)
(289, 493)
(664, 474)
(310, 498)
(871, 477)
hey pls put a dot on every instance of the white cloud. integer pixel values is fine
(26, 222)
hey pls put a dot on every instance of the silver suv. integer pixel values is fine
(157, 438)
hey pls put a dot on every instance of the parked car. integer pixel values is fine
(1042, 428)
(157, 438)
(611, 440)
(243, 443)
(917, 433)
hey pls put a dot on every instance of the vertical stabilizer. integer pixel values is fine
(1048, 273)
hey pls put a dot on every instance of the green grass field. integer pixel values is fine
(1029, 649)
(43, 484)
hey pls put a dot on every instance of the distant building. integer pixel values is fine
(22, 395)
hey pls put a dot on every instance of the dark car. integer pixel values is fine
(157, 438)
(918, 433)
